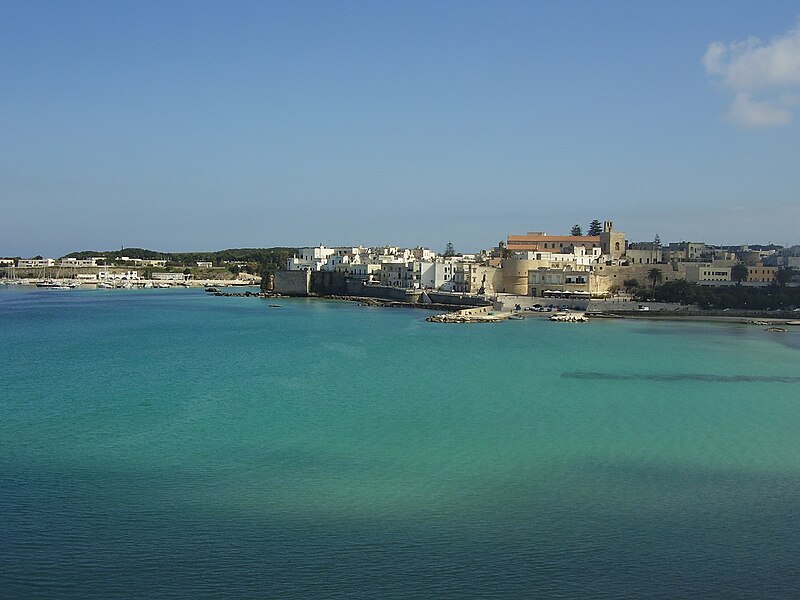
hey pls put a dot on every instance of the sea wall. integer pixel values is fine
(456, 299)
(384, 292)
(291, 283)
(328, 283)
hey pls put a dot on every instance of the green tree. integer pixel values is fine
(449, 249)
(595, 228)
(234, 269)
(576, 230)
(739, 273)
(630, 285)
(783, 276)
(655, 276)
(657, 241)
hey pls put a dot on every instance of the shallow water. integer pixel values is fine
(170, 443)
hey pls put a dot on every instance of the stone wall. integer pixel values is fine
(328, 283)
(383, 292)
(457, 299)
(292, 283)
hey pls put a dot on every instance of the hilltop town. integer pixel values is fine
(601, 264)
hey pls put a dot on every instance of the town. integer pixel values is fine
(524, 269)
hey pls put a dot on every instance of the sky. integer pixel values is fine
(188, 126)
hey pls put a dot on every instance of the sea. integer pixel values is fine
(174, 444)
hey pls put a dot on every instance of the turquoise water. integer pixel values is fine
(169, 443)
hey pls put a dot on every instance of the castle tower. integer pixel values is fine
(612, 242)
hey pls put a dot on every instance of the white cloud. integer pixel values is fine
(765, 77)
(760, 113)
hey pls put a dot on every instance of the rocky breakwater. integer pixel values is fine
(215, 292)
(481, 314)
(569, 318)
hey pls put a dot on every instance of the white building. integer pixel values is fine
(313, 259)
(35, 263)
(80, 262)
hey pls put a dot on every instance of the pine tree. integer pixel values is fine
(449, 249)
(576, 230)
(595, 228)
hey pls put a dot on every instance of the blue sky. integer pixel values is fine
(201, 126)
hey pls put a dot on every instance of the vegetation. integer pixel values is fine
(739, 273)
(771, 297)
(576, 230)
(256, 259)
(449, 250)
(784, 276)
(655, 276)
(630, 285)
(595, 228)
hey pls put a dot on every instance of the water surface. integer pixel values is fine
(169, 443)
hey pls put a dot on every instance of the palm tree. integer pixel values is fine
(656, 276)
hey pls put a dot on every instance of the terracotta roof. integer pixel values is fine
(573, 239)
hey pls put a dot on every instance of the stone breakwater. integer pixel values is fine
(248, 294)
(362, 301)
(569, 318)
(480, 314)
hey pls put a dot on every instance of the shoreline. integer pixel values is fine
(482, 314)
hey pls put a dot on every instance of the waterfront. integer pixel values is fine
(169, 443)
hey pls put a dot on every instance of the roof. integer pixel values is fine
(572, 239)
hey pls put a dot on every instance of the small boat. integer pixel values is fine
(776, 329)
(274, 305)
(516, 317)
(793, 323)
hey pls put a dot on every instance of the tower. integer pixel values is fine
(612, 242)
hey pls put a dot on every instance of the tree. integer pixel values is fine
(656, 276)
(576, 230)
(449, 249)
(595, 228)
(657, 241)
(783, 276)
(739, 273)
(234, 269)
(630, 284)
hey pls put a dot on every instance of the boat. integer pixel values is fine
(776, 329)
(793, 323)
(516, 317)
